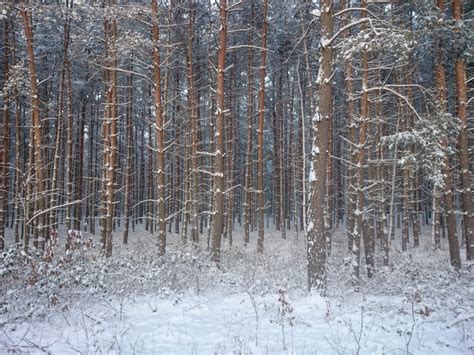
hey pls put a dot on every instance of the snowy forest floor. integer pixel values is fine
(138, 303)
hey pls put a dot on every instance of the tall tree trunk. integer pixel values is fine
(193, 111)
(382, 225)
(276, 121)
(211, 108)
(360, 219)
(302, 143)
(57, 146)
(19, 159)
(466, 194)
(5, 152)
(351, 200)
(230, 155)
(249, 155)
(412, 176)
(330, 173)
(91, 205)
(316, 229)
(69, 146)
(261, 124)
(292, 160)
(150, 221)
(80, 167)
(406, 205)
(179, 170)
(448, 195)
(111, 131)
(105, 152)
(160, 143)
(35, 123)
(129, 159)
(18, 170)
(218, 217)
(282, 156)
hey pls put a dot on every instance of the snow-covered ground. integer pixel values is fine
(242, 324)
(136, 303)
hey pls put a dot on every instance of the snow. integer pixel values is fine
(250, 304)
(222, 324)
(325, 42)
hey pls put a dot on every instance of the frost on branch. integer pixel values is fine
(435, 137)
(397, 43)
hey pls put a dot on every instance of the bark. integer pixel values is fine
(80, 168)
(18, 171)
(218, 217)
(448, 196)
(261, 123)
(316, 229)
(351, 203)
(415, 216)
(249, 155)
(59, 132)
(20, 155)
(69, 146)
(292, 161)
(302, 143)
(211, 109)
(36, 125)
(160, 139)
(193, 112)
(5, 152)
(330, 172)
(111, 132)
(382, 224)
(150, 224)
(282, 156)
(230, 156)
(129, 160)
(360, 219)
(412, 176)
(466, 194)
(179, 170)
(105, 144)
(277, 142)
(91, 201)
(406, 208)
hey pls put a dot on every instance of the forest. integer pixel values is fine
(236, 176)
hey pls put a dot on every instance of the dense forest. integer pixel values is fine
(194, 116)
(231, 124)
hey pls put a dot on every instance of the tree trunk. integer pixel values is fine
(316, 229)
(160, 143)
(360, 219)
(111, 132)
(59, 133)
(249, 155)
(302, 143)
(351, 203)
(261, 124)
(466, 194)
(80, 168)
(5, 152)
(230, 155)
(35, 123)
(448, 195)
(69, 146)
(129, 160)
(218, 217)
(193, 112)
(19, 166)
